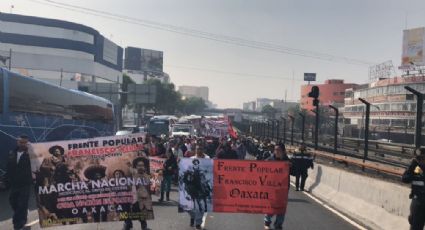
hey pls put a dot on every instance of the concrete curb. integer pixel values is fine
(372, 202)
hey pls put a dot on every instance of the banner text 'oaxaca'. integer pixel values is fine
(92, 180)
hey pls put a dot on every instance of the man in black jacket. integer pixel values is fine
(301, 162)
(19, 179)
(415, 175)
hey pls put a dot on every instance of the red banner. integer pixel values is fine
(250, 186)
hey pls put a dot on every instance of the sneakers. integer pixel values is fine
(267, 227)
(198, 226)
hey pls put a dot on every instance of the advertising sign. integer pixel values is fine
(413, 47)
(309, 76)
(91, 180)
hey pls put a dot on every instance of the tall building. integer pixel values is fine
(249, 106)
(57, 51)
(332, 92)
(194, 91)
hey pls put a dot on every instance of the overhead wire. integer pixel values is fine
(205, 35)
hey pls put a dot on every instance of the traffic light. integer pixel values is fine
(314, 92)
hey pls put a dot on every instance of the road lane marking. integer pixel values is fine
(32, 223)
(344, 217)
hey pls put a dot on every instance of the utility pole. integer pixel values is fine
(302, 126)
(419, 112)
(366, 131)
(292, 128)
(336, 128)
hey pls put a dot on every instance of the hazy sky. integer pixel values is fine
(367, 30)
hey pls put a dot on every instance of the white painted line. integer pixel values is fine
(344, 217)
(204, 220)
(32, 223)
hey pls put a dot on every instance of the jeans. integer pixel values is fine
(196, 214)
(166, 183)
(303, 176)
(417, 214)
(18, 200)
(277, 223)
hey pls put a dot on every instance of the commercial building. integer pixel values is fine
(57, 51)
(332, 92)
(392, 105)
(249, 106)
(194, 91)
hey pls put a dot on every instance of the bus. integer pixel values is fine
(46, 112)
(161, 125)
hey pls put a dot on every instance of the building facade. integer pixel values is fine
(392, 105)
(59, 52)
(249, 106)
(194, 91)
(332, 92)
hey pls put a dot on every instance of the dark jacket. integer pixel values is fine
(227, 154)
(170, 162)
(416, 179)
(301, 162)
(18, 174)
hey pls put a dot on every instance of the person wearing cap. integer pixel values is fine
(414, 175)
(19, 180)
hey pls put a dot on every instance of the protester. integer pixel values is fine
(279, 154)
(19, 180)
(144, 201)
(240, 149)
(415, 175)
(227, 152)
(301, 161)
(170, 168)
(197, 213)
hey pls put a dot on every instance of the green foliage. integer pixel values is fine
(269, 111)
(193, 105)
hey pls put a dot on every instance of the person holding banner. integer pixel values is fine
(279, 154)
(142, 207)
(198, 211)
(19, 180)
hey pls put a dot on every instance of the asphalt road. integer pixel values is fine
(302, 213)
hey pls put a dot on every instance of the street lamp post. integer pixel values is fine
(277, 130)
(366, 131)
(336, 128)
(302, 126)
(284, 130)
(316, 128)
(419, 105)
(292, 128)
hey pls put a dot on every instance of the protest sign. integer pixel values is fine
(195, 184)
(91, 180)
(250, 186)
(156, 170)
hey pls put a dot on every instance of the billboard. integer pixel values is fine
(145, 60)
(309, 76)
(413, 48)
(151, 61)
(141, 94)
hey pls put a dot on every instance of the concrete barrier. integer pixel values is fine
(372, 202)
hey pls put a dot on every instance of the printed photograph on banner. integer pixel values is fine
(91, 180)
(156, 171)
(195, 184)
(242, 186)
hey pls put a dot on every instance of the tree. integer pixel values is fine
(126, 80)
(269, 111)
(167, 98)
(193, 105)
